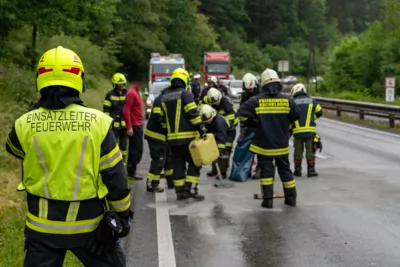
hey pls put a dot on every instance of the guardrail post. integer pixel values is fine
(361, 115)
(338, 112)
(391, 121)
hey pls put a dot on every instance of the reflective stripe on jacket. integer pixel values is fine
(113, 106)
(310, 110)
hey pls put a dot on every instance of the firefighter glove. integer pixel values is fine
(126, 225)
(104, 239)
(317, 143)
(202, 131)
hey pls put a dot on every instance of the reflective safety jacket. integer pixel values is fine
(72, 166)
(273, 112)
(181, 115)
(227, 109)
(114, 106)
(310, 110)
(222, 130)
(156, 129)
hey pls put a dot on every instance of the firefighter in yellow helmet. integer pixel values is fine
(182, 118)
(271, 113)
(73, 173)
(113, 106)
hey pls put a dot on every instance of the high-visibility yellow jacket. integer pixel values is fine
(72, 167)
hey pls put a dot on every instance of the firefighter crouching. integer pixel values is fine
(182, 118)
(211, 83)
(224, 106)
(160, 154)
(251, 87)
(113, 106)
(223, 131)
(73, 172)
(304, 129)
(274, 113)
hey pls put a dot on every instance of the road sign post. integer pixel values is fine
(283, 66)
(390, 85)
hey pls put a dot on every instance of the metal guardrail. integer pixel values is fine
(390, 112)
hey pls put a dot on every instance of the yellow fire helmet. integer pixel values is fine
(181, 74)
(118, 78)
(60, 67)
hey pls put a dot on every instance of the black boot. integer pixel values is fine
(268, 196)
(170, 182)
(290, 196)
(297, 168)
(187, 192)
(268, 203)
(213, 171)
(311, 168)
(179, 193)
(154, 187)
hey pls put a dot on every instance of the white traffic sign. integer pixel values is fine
(390, 82)
(283, 66)
(389, 96)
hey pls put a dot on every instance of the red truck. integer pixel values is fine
(217, 64)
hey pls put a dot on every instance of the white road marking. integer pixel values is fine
(360, 127)
(166, 251)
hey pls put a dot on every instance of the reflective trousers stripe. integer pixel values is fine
(63, 228)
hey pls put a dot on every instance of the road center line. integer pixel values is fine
(166, 251)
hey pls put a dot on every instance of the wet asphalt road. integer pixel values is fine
(349, 216)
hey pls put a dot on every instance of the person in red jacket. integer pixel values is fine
(133, 115)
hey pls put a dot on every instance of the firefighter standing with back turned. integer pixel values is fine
(304, 130)
(160, 153)
(64, 147)
(251, 87)
(273, 113)
(113, 106)
(182, 118)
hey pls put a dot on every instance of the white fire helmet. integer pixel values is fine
(207, 113)
(214, 96)
(297, 88)
(269, 76)
(249, 81)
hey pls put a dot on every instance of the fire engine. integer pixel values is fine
(217, 64)
(161, 67)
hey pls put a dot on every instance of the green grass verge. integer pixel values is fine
(12, 204)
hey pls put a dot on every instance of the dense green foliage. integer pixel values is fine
(112, 34)
(361, 62)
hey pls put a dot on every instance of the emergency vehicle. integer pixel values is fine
(217, 64)
(161, 67)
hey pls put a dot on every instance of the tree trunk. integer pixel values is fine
(33, 52)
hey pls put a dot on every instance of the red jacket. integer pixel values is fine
(133, 109)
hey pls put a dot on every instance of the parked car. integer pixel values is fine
(154, 90)
(236, 89)
(289, 80)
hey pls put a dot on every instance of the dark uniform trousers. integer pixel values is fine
(299, 145)
(39, 255)
(182, 176)
(161, 158)
(268, 175)
(135, 149)
(122, 139)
